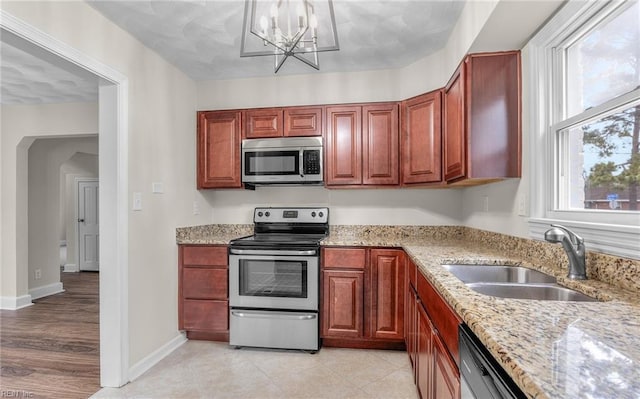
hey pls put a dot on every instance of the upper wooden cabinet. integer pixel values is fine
(263, 123)
(218, 146)
(361, 146)
(421, 147)
(279, 122)
(303, 121)
(343, 146)
(482, 123)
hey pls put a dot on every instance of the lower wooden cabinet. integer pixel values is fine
(203, 304)
(343, 309)
(434, 363)
(363, 297)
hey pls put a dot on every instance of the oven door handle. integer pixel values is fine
(272, 315)
(234, 251)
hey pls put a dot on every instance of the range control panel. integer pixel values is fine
(291, 215)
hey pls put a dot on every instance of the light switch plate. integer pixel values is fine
(137, 201)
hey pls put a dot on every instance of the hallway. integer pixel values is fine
(51, 349)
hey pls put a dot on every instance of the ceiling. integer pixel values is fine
(32, 75)
(202, 38)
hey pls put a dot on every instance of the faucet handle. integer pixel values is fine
(573, 236)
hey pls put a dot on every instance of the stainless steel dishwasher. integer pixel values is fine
(482, 376)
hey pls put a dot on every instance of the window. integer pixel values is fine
(585, 113)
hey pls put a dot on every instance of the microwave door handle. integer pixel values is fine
(301, 164)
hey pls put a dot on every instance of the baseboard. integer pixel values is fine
(145, 364)
(71, 268)
(46, 290)
(15, 302)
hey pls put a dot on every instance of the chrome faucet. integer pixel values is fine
(574, 247)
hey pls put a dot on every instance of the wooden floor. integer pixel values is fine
(51, 349)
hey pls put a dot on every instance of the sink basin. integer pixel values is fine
(514, 282)
(498, 274)
(548, 292)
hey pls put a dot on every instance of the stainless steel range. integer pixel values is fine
(274, 279)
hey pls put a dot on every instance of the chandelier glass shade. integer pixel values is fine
(289, 28)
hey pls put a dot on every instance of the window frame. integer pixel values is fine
(614, 232)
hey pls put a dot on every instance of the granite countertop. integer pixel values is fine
(551, 349)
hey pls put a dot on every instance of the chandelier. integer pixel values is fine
(289, 28)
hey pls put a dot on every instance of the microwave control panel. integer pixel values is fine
(311, 161)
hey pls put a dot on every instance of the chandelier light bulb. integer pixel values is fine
(264, 24)
(274, 16)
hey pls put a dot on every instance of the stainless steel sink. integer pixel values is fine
(545, 292)
(514, 282)
(498, 274)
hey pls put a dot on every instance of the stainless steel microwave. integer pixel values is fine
(287, 160)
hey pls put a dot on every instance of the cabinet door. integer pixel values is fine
(446, 377)
(380, 155)
(493, 81)
(425, 355)
(343, 300)
(343, 149)
(455, 145)
(263, 123)
(411, 327)
(421, 139)
(387, 294)
(219, 135)
(303, 121)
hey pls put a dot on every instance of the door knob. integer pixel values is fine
(81, 220)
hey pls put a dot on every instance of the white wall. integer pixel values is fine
(362, 206)
(45, 158)
(21, 124)
(161, 147)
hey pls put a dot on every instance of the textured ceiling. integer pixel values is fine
(202, 38)
(31, 75)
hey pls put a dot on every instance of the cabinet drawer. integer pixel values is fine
(204, 283)
(204, 255)
(206, 315)
(344, 258)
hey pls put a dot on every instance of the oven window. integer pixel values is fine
(273, 278)
(272, 163)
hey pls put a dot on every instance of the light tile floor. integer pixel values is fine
(200, 369)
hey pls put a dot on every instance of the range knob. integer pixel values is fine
(313, 214)
(260, 214)
(321, 214)
(267, 214)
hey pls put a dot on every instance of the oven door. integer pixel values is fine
(274, 280)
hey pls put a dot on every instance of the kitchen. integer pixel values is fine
(162, 124)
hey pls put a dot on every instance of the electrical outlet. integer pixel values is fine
(37, 274)
(157, 188)
(485, 203)
(196, 208)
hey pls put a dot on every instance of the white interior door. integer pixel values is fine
(88, 239)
